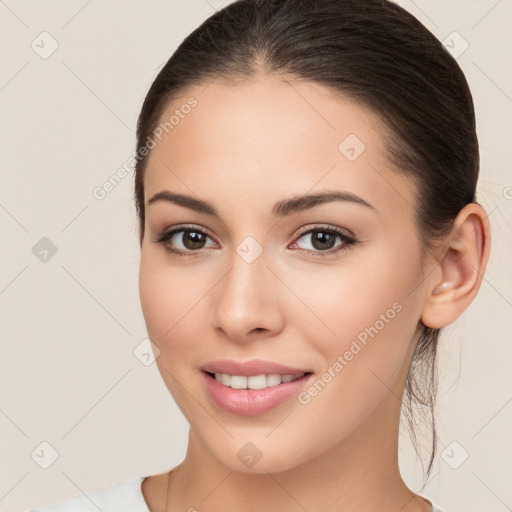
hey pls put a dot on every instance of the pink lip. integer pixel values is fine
(252, 367)
(251, 402)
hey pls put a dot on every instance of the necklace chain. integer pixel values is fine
(167, 493)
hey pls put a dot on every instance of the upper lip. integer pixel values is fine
(252, 367)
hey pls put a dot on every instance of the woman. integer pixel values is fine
(305, 189)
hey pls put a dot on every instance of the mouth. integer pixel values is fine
(255, 394)
(262, 381)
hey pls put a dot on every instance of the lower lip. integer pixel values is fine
(251, 402)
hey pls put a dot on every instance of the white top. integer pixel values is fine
(126, 497)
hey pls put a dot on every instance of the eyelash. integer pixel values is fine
(348, 241)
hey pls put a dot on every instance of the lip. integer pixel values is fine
(251, 402)
(251, 368)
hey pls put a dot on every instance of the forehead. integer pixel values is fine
(273, 138)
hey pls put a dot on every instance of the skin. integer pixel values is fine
(243, 148)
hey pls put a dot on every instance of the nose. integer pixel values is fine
(246, 305)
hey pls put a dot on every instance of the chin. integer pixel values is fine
(249, 459)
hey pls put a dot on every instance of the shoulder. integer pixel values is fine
(126, 496)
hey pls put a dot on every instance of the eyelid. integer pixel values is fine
(184, 227)
(302, 231)
(319, 226)
(347, 237)
(348, 240)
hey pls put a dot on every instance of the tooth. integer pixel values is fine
(257, 382)
(273, 379)
(238, 382)
(254, 381)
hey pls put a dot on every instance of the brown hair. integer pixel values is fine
(376, 53)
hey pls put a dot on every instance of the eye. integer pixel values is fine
(188, 241)
(319, 241)
(184, 240)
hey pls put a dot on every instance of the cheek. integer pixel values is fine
(174, 301)
(369, 316)
(373, 313)
(169, 300)
(354, 295)
(155, 299)
(166, 294)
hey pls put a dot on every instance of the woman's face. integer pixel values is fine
(329, 288)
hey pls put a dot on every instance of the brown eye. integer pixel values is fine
(190, 239)
(324, 240)
(184, 241)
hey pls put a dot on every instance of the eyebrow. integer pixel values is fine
(282, 208)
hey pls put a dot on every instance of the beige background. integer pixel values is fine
(69, 326)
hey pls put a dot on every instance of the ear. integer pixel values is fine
(460, 262)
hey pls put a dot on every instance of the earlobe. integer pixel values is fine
(461, 259)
